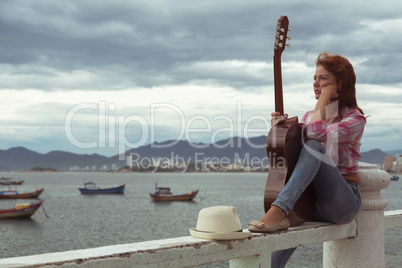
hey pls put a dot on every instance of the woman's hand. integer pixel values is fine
(329, 94)
(277, 118)
(330, 91)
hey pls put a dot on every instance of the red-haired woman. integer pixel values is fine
(329, 157)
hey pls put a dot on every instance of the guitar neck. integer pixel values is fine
(279, 47)
(278, 84)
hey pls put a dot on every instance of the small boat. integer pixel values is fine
(25, 210)
(14, 194)
(164, 194)
(394, 178)
(9, 181)
(91, 188)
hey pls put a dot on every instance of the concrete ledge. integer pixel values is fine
(393, 219)
(186, 251)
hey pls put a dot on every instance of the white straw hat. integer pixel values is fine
(218, 223)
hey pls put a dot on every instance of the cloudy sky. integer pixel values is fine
(103, 76)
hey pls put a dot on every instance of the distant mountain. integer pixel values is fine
(375, 156)
(394, 152)
(233, 149)
(230, 150)
(19, 158)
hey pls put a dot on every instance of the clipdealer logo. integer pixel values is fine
(112, 128)
(177, 162)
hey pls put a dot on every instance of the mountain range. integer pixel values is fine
(231, 150)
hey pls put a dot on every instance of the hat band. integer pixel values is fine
(239, 231)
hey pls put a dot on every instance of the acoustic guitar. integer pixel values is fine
(284, 142)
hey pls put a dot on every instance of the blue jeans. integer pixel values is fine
(337, 200)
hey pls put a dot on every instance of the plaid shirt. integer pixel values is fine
(341, 139)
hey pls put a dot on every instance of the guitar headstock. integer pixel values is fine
(281, 35)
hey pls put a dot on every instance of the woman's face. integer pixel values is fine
(322, 78)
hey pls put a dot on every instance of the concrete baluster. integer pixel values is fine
(367, 248)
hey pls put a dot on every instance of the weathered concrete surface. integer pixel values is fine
(392, 219)
(186, 251)
(367, 248)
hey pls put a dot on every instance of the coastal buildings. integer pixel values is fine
(391, 165)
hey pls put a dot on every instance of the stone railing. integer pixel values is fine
(359, 243)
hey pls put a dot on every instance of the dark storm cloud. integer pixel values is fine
(147, 43)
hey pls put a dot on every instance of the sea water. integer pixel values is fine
(68, 220)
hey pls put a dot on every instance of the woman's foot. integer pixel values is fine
(274, 220)
(273, 216)
(259, 227)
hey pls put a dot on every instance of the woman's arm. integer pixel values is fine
(346, 130)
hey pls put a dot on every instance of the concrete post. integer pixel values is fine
(367, 248)
(261, 261)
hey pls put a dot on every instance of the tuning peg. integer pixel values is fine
(290, 30)
(289, 38)
(288, 45)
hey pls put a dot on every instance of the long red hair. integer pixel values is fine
(345, 78)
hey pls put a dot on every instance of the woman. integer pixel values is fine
(329, 157)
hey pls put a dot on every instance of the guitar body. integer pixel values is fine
(284, 143)
(283, 149)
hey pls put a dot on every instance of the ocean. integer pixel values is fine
(68, 220)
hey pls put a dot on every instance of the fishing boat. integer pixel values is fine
(24, 210)
(9, 181)
(394, 178)
(91, 188)
(14, 194)
(164, 194)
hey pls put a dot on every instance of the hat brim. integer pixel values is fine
(219, 236)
